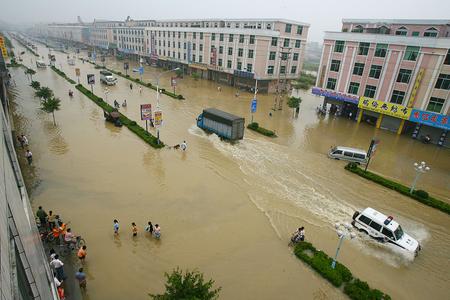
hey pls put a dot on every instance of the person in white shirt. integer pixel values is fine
(70, 238)
(25, 140)
(183, 146)
(59, 268)
(29, 156)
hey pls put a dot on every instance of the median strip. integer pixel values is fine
(418, 195)
(62, 74)
(319, 261)
(255, 127)
(132, 125)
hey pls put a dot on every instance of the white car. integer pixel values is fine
(384, 229)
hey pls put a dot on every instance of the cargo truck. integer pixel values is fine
(224, 124)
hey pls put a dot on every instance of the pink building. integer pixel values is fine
(394, 74)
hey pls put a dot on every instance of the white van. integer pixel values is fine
(384, 229)
(40, 64)
(350, 154)
(107, 78)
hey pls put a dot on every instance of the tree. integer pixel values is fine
(44, 93)
(305, 81)
(35, 85)
(30, 72)
(188, 286)
(50, 105)
(294, 102)
(195, 75)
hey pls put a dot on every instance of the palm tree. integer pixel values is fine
(30, 72)
(44, 93)
(35, 85)
(50, 105)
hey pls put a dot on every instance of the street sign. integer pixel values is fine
(173, 81)
(126, 66)
(373, 147)
(91, 79)
(77, 72)
(158, 118)
(254, 104)
(146, 111)
(141, 70)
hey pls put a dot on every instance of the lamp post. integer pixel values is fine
(420, 169)
(343, 231)
(106, 91)
(157, 96)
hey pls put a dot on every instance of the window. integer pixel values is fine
(220, 49)
(179, 45)
(240, 52)
(282, 69)
(348, 154)
(339, 46)
(230, 38)
(229, 64)
(299, 29)
(230, 51)
(250, 53)
(358, 28)
(363, 48)
(272, 55)
(404, 76)
(375, 71)
(358, 155)
(213, 36)
(201, 35)
(353, 88)
(447, 58)
(435, 104)
(388, 233)
(375, 225)
(411, 53)
(431, 32)
(193, 57)
(185, 34)
(288, 28)
(415, 33)
(249, 67)
(380, 50)
(284, 56)
(358, 69)
(331, 83)
(270, 70)
(221, 37)
(286, 42)
(397, 97)
(252, 39)
(239, 65)
(293, 69)
(295, 57)
(274, 41)
(370, 91)
(401, 31)
(443, 82)
(201, 47)
(241, 38)
(194, 35)
(335, 65)
(364, 219)
(193, 46)
(297, 43)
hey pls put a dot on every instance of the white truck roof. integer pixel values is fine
(379, 218)
(355, 150)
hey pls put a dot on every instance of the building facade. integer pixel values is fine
(24, 269)
(394, 74)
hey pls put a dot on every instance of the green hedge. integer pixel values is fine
(62, 74)
(418, 195)
(255, 126)
(321, 263)
(132, 125)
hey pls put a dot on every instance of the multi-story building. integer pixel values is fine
(231, 51)
(24, 269)
(394, 74)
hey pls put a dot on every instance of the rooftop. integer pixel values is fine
(400, 21)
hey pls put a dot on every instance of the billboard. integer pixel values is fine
(385, 108)
(335, 95)
(430, 119)
(158, 118)
(90, 78)
(146, 112)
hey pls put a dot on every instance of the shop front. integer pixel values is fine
(339, 103)
(430, 127)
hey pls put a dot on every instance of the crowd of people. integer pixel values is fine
(49, 223)
(23, 142)
(153, 230)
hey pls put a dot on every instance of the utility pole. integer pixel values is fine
(284, 56)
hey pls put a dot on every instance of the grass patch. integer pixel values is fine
(341, 275)
(132, 125)
(418, 195)
(62, 74)
(255, 127)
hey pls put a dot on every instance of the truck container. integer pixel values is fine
(224, 124)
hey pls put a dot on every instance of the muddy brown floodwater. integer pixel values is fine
(226, 209)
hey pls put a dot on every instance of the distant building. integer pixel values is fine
(394, 74)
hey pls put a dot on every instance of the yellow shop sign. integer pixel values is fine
(385, 108)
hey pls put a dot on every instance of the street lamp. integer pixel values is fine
(157, 96)
(343, 231)
(420, 169)
(106, 91)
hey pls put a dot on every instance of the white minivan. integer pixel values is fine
(107, 78)
(349, 154)
(384, 229)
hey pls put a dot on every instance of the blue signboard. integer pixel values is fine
(244, 74)
(335, 95)
(254, 103)
(141, 70)
(430, 119)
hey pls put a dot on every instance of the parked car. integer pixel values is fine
(350, 154)
(384, 229)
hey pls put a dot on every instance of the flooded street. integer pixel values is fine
(226, 209)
